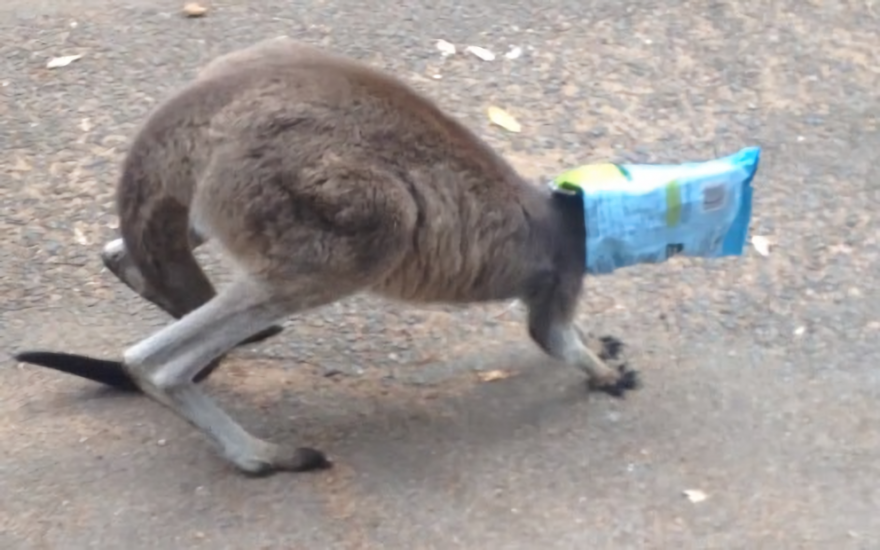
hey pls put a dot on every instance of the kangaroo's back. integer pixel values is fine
(346, 148)
(307, 113)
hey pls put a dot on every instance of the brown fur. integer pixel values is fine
(320, 178)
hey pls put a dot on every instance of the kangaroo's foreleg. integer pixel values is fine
(551, 311)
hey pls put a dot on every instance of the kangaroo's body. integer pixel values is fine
(320, 178)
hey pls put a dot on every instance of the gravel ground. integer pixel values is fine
(761, 373)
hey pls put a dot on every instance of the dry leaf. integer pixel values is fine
(504, 119)
(194, 9)
(63, 61)
(482, 53)
(79, 236)
(493, 375)
(514, 53)
(761, 244)
(21, 165)
(695, 495)
(504, 311)
(446, 48)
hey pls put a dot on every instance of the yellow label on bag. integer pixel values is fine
(591, 176)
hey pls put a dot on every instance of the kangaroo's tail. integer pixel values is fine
(102, 371)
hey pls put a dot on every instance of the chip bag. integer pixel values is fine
(647, 213)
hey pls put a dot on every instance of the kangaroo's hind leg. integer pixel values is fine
(164, 365)
(174, 280)
(199, 290)
(116, 259)
(298, 244)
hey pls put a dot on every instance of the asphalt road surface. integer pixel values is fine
(761, 374)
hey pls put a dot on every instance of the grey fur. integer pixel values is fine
(321, 178)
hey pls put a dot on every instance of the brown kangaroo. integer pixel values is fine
(321, 178)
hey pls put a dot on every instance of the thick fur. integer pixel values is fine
(321, 178)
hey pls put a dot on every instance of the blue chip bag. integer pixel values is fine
(647, 213)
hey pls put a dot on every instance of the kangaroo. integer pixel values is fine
(320, 178)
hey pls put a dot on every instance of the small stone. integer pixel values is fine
(446, 48)
(695, 495)
(194, 9)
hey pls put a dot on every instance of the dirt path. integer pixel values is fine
(761, 378)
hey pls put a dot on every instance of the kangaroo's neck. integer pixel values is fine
(562, 233)
(554, 252)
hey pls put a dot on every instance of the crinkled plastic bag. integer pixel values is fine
(647, 213)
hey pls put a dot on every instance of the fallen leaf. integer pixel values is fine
(63, 61)
(840, 249)
(761, 244)
(194, 9)
(493, 375)
(695, 495)
(504, 311)
(446, 48)
(21, 165)
(504, 119)
(79, 236)
(482, 53)
(514, 52)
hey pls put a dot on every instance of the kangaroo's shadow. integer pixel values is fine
(461, 420)
(385, 425)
